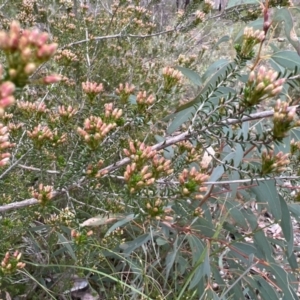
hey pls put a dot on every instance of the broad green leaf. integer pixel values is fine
(214, 68)
(263, 246)
(286, 225)
(292, 259)
(211, 295)
(251, 218)
(245, 248)
(169, 151)
(236, 292)
(170, 258)
(265, 290)
(202, 270)
(233, 230)
(294, 208)
(180, 118)
(196, 246)
(120, 223)
(234, 186)
(67, 245)
(210, 77)
(281, 278)
(191, 75)
(132, 99)
(204, 226)
(223, 39)
(266, 192)
(285, 146)
(295, 134)
(216, 275)
(238, 155)
(284, 15)
(237, 216)
(233, 3)
(182, 264)
(217, 173)
(129, 247)
(287, 59)
(161, 241)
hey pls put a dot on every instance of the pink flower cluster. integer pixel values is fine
(26, 50)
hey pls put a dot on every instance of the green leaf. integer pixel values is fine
(196, 246)
(286, 225)
(263, 246)
(180, 118)
(120, 223)
(239, 250)
(236, 214)
(223, 39)
(295, 134)
(251, 218)
(233, 3)
(266, 192)
(67, 245)
(294, 208)
(170, 258)
(169, 151)
(214, 68)
(287, 59)
(204, 226)
(191, 75)
(202, 270)
(281, 278)
(266, 291)
(182, 264)
(129, 247)
(161, 241)
(284, 15)
(292, 259)
(217, 173)
(210, 77)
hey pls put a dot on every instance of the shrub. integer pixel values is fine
(145, 160)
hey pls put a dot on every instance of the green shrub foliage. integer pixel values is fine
(149, 152)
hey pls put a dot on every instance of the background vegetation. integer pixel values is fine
(149, 150)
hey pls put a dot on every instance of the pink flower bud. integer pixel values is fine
(3, 40)
(269, 88)
(46, 51)
(52, 79)
(4, 161)
(7, 88)
(30, 68)
(42, 39)
(277, 90)
(251, 76)
(279, 82)
(15, 27)
(260, 86)
(26, 53)
(7, 101)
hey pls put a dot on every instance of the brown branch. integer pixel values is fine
(162, 145)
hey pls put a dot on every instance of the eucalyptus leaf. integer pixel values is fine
(191, 75)
(281, 278)
(284, 15)
(286, 225)
(266, 192)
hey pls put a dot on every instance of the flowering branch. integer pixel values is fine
(159, 146)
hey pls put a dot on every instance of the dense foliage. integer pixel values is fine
(149, 150)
